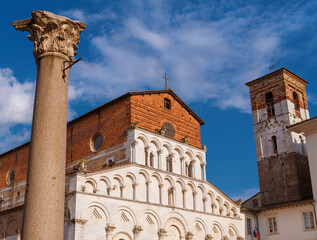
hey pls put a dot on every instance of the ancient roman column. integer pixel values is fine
(55, 41)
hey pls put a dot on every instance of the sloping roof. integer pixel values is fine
(170, 91)
(273, 73)
(304, 126)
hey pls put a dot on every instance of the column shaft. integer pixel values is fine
(44, 204)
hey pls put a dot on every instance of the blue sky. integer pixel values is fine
(209, 49)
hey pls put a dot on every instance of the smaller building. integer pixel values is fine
(309, 129)
(284, 207)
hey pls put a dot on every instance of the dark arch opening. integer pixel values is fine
(296, 101)
(274, 144)
(270, 105)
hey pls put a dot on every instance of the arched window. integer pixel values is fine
(270, 105)
(274, 143)
(296, 101)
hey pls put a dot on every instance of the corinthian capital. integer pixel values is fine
(51, 33)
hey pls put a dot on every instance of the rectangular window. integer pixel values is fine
(255, 203)
(167, 103)
(309, 220)
(272, 225)
(249, 226)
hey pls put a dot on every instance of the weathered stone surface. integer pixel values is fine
(51, 33)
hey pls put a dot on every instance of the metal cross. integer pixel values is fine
(166, 79)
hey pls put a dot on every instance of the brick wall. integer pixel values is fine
(150, 112)
(112, 121)
(284, 177)
(282, 84)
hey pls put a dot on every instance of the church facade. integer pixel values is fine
(135, 170)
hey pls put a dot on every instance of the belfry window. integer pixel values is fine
(274, 143)
(296, 101)
(270, 105)
(167, 103)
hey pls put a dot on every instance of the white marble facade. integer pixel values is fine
(151, 197)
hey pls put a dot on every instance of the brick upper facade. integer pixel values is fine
(112, 120)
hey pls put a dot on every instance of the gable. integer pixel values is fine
(148, 108)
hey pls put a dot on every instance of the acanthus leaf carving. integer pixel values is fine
(52, 33)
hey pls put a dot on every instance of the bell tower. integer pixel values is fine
(279, 100)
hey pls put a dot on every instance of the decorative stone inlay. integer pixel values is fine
(78, 220)
(51, 33)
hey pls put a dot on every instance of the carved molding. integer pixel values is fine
(137, 230)
(161, 232)
(51, 33)
(109, 229)
(77, 220)
(208, 237)
(189, 236)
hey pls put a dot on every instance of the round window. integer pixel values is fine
(96, 141)
(10, 176)
(169, 130)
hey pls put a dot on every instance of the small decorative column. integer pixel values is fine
(184, 197)
(55, 41)
(146, 152)
(208, 237)
(134, 185)
(159, 152)
(162, 234)
(136, 231)
(147, 190)
(182, 166)
(109, 231)
(213, 206)
(160, 189)
(4, 236)
(78, 228)
(133, 151)
(194, 199)
(171, 161)
(204, 203)
(204, 166)
(189, 236)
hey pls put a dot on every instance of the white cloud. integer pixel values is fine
(207, 59)
(16, 99)
(16, 107)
